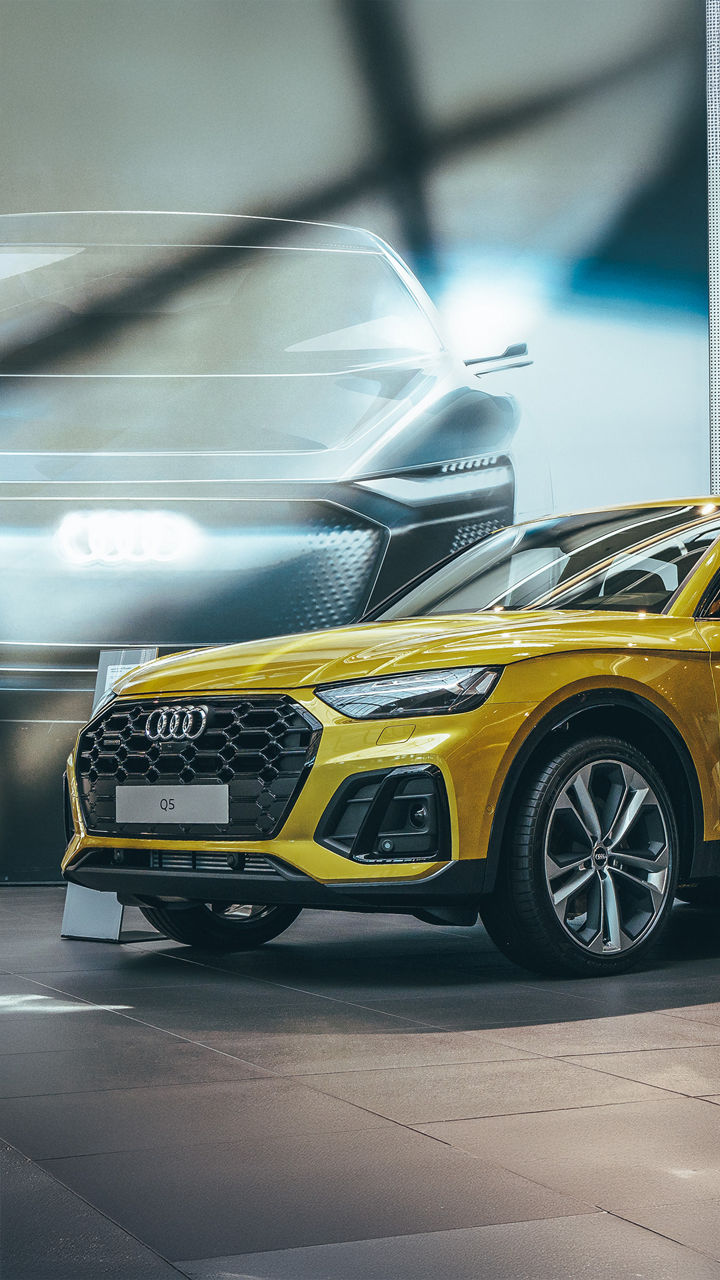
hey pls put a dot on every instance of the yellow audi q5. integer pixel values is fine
(529, 733)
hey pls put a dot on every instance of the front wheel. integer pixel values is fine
(590, 864)
(221, 926)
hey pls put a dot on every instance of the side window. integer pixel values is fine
(643, 580)
(711, 605)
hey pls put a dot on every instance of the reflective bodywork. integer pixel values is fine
(573, 665)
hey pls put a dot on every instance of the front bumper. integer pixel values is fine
(466, 750)
(456, 882)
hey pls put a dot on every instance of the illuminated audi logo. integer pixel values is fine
(125, 537)
(175, 724)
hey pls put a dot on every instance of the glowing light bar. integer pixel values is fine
(469, 464)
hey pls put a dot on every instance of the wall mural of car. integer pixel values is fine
(212, 429)
(530, 732)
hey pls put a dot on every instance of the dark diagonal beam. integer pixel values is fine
(396, 112)
(94, 325)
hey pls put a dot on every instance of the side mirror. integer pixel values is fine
(513, 357)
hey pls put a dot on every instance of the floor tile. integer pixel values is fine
(709, 1013)
(659, 986)
(47, 954)
(14, 990)
(265, 1193)
(690, 1070)
(299, 1053)
(665, 993)
(617, 1157)
(74, 1124)
(609, 1035)
(478, 1005)
(241, 1007)
(140, 969)
(54, 1025)
(319, 970)
(49, 1233)
(594, 1247)
(144, 1058)
(419, 1095)
(696, 1225)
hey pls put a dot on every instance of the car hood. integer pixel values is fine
(206, 429)
(417, 644)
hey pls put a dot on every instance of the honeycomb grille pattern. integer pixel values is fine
(261, 747)
(336, 577)
(473, 531)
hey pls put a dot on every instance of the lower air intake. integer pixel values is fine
(212, 863)
(398, 815)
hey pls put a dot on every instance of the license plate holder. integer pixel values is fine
(203, 804)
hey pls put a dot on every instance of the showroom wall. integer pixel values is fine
(546, 134)
(541, 167)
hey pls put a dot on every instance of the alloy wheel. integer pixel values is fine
(607, 857)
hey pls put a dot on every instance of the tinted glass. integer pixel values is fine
(534, 566)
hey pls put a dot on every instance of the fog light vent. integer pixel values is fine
(398, 815)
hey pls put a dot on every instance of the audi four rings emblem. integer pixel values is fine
(168, 724)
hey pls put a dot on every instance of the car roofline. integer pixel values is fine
(373, 614)
(356, 237)
(669, 503)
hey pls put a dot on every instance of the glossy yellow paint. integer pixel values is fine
(547, 657)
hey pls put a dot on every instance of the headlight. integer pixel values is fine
(422, 693)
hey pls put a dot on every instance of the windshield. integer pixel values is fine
(247, 311)
(202, 360)
(535, 566)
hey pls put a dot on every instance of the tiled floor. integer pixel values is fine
(367, 1098)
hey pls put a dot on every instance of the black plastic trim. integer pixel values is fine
(365, 839)
(706, 860)
(68, 823)
(459, 882)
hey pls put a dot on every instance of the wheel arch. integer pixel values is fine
(619, 712)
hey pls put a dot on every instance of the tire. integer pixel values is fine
(221, 926)
(590, 863)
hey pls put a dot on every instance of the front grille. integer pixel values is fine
(260, 567)
(330, 586)
(253, 864)
(262, 747)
